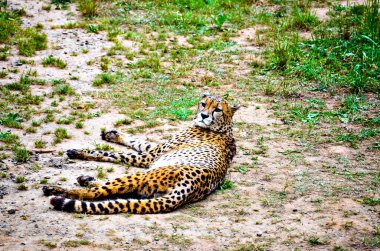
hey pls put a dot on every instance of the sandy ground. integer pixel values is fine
(285, 198)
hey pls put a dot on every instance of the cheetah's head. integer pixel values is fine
(214, 113)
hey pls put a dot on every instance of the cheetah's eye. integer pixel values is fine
(203, 104)
(218, 109)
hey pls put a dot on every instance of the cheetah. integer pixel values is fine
(185, 169)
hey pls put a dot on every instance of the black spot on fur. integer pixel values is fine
(84, 207)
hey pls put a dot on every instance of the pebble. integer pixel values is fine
(295, 210)
(17, 63)
(193, 80)
(259, 234)
(11, 211)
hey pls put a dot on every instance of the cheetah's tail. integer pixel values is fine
(135, 206)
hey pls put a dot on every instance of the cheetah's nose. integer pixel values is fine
(204, 116)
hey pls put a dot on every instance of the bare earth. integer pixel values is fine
(285, 198)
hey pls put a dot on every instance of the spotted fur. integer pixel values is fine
(187, 168)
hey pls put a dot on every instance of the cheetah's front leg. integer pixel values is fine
(127, 140)
(136, 159)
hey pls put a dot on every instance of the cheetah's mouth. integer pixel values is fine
(203, 124)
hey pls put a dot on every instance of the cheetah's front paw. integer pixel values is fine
(85, 180)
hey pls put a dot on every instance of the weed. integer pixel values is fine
(48, 244)
(31, 41)
(219, 20)
(76, 243)
(40, 143)
(122, 122)
(371, 201)
(22, 187)
(4, 53)
(101, 174)
(11, 120)
(53, 61)
(103, 147)
(88, 8)
(226, 185)
(9, 138)
(43, 181)
(79, 125)
(61, 134)
(21, 154)
(20, 179)
(62, 88)
(314, 241)
(104, 78)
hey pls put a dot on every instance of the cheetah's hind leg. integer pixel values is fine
(127, 140)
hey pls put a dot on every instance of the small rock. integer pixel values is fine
(295, 210)
(205, 88)
(193, 80)
(11, 211)
(259, 234)
(17, 63)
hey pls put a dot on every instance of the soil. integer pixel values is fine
(284, 199)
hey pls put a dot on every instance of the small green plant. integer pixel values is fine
(122, 122)
(62, 88)
(8, 138)
(93, 28)
(40, 143)
(21, 154)
(219, 20)
(11, 120)
(88, 8)
(101, 174)
(43, 181)
(104, 78)
(371, 201)
(53, 61)
(20, 179)
(4, 52)
(79, 125)
(103, 147)
(22, 187)
(60, 134)
(30, 41)
(226, 185)
(314, 241)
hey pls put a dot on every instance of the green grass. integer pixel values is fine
(11, 120)
(88, 8)
(53, 61)
(226, 185)
(121, 122)
(104, 78)
(8, 138)
(40, 144)
(61, 134)
(21, 154)
(60, 87)
(341, 58)
(31, 41)
(20, 179)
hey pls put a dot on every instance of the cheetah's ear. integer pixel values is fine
(234, 108)
(206, 94)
